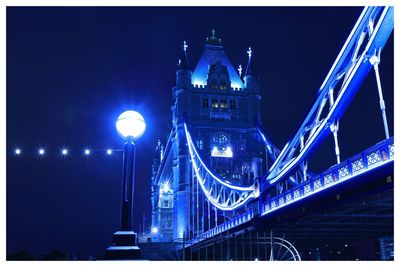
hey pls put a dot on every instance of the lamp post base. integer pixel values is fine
(124, 246)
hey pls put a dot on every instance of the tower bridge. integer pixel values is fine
(222, 190)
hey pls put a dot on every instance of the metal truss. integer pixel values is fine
(220, 193)
(372, 30)
(374, 157)
(273, 152)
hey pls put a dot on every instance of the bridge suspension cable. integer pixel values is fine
(220, 193)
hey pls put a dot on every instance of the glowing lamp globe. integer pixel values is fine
(131, 124)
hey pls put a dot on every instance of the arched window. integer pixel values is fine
(220, 139)
(214, 103)
(232, 104)
(205, 102)
(224, 103)
(223, 85)
(213, 84)
(200, 143)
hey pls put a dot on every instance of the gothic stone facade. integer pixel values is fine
(221, 108)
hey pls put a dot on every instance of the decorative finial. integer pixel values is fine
(249, 52)
(213, 40)
(184, 46)
(240, 70)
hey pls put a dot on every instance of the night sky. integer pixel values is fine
(72, 71)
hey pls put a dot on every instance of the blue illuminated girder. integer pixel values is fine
(354, 71)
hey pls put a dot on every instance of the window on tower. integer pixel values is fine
(232, 104)
(223, 85)
(220, 139)
(199, 144)
(205, 102)
(224, 103)
(213, 84)
(166, 204)
(214, 103)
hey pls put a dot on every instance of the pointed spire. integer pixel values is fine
(250, 65)
(183, 60)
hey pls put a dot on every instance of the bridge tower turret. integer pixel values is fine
(251, 81)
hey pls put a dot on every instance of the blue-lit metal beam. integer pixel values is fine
(286, 161)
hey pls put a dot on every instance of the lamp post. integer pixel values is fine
(131, 126)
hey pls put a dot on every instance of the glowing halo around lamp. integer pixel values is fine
(131, 124)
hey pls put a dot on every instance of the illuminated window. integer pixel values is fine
(214, 103)
(205, 102)
(213, 84)
(200, 143)
(223, 85)
(220, 139)
(224, 103)
(232, 104)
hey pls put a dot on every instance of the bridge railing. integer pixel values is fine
(235, 221)
(375, 156)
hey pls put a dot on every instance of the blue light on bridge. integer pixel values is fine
(17, 151)
(41, 151)
(87, 152)
(64, 152)
(109, 151)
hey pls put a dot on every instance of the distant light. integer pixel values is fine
(41, 151)
(131, 124)
(256, 259)
(154, 230)
(64, 152)
(109, 151)
(87, 151)
(17, 151)
(165, 187)
(346, 245)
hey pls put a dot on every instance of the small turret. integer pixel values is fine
(183, 73)
(250, 77)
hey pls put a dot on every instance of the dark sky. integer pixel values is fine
(72, 71)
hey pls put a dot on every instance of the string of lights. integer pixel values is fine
(42, 151)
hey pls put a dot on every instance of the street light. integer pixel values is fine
(130, 125)
(64, 152)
